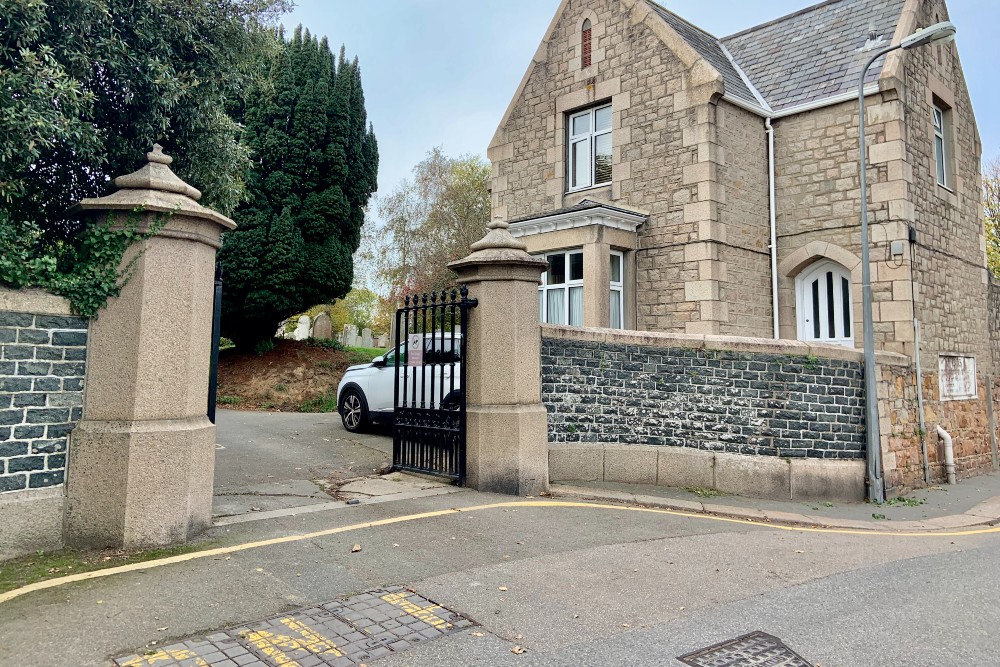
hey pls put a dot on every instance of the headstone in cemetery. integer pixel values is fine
(302, 329)
(350, 338)
(322, 327)
(366, 337)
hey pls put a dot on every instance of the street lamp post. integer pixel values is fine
(876, 490)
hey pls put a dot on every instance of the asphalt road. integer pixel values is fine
(276, 460)
(570, 585)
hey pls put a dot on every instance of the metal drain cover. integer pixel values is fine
(757, 649)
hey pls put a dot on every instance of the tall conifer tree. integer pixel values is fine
(315, 166)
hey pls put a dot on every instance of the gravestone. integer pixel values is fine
(366, 337)
(302, 329)
(322, 327)
(350, 338)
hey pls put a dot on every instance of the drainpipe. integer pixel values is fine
(920, 401)
(949, 453)
(773, 214)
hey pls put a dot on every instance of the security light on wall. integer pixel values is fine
(939, 32)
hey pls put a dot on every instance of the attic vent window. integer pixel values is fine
(585, 41)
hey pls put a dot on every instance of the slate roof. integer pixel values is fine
(810, 55)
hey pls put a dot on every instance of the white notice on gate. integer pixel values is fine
(414, 350)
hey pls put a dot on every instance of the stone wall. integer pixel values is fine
(744, 257)
(949, 263)
(818, 211)
(967, 421)
(43, 351)
(709, 393)
(993, 319)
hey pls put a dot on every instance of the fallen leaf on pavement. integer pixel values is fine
(799, 551)
(518, 636)
(163, 628)
(356, 548)
(517, 650)
(478, 634)
(502, 588)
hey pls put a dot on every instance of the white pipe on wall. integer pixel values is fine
(774, 235)
(949, 453)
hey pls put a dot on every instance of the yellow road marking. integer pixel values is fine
(166, 656)
(425, 614)
(273, 645)
(220, 551)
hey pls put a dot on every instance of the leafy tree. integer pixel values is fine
(85, 88)
(429, 221)
(315, 162)
(991, 214)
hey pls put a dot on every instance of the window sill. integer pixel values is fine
(946, 188)
(600, 186)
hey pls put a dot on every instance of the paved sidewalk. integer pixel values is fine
(971, 502)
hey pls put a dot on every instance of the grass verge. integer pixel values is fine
(42, 565)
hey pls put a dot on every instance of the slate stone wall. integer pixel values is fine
(787, 405)
(42, 368)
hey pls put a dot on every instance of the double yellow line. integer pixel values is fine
(547, 504)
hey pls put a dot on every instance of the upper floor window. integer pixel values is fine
(585, 43)
(590, 148)
(823, 304)
(942, 148)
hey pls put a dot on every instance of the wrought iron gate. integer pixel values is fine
(429, 431)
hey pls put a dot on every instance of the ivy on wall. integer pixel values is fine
(87, 272)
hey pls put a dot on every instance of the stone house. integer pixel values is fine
(681, 183)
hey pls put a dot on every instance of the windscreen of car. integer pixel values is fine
(391, 356)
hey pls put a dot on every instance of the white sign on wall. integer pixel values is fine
(415, 350)
(957, 377)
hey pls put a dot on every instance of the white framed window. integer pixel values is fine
(617, 290)
(560, 295)
(823, 304)
(941, 151)
(589, 148)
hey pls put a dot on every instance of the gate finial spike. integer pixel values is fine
(498, 238)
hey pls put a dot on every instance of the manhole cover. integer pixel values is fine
(757, 649)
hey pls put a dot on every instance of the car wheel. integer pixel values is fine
(453, 401)
(354, 410)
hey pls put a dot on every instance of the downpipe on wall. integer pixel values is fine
(949, 453)
(769, 129)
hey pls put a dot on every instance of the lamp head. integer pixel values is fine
(939, 32)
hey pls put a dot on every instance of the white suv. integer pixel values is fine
(366, 393)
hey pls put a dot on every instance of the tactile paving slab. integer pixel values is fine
(757, 649)
(342, 633)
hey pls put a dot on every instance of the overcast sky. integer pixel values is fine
(441, 72)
